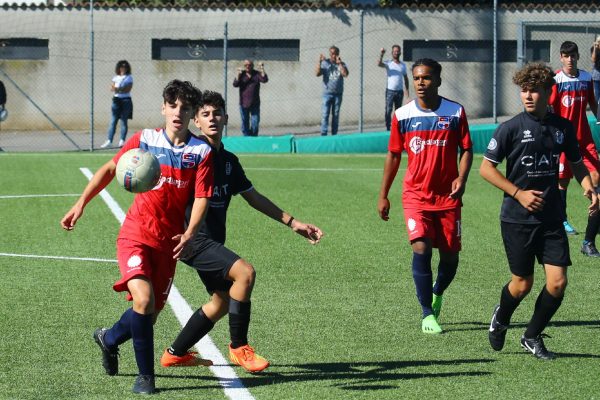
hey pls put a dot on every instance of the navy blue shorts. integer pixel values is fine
(524, 243)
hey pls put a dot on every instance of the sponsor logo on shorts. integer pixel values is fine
(134, 262)
(412, 224)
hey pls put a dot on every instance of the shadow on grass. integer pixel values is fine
(478, 325)
(347, 376)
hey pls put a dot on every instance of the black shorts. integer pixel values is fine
(212, 261)
(526, 242)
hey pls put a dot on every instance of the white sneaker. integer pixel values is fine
(106, 144)
(121, 143)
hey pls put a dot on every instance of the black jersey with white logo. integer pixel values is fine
(230, 180)
(532, 149)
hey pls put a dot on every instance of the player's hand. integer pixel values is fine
(532, 200)
(382, 51)
(383, 208)
(182, 238)
(70, 219)
(321, 57)
(593, 197)
(311, 232)
(458, 188)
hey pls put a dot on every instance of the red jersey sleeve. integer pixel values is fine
(553, 100)
(205, 177)
(396, 143)
(465, 134)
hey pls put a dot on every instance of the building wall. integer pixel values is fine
(62, 86)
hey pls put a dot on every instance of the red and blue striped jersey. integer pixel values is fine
(431, 139)
(570, 98)
(187, 170)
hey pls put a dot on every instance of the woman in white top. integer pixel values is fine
(122, 107)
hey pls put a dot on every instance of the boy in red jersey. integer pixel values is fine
(430, 128)
(152, 235)
(569, 99)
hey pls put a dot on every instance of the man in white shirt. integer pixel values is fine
(394, 93)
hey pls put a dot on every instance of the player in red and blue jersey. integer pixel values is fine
(570, 98)
(153, 235)
(430, 129)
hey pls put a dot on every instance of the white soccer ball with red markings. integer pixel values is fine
(138, 171)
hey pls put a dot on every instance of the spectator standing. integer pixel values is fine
(122, 106)
(248, 80)
(396, 74)
(334, 71)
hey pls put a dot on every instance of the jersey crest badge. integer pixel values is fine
(188, 160)
(443, 122)
(560, 137)
(493, 144)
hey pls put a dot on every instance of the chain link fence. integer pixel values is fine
(57, 64)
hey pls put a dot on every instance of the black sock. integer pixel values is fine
(239, 321)
(508, 305)
(592, 228)
(545, 307)
(120, 331)
(142, 333)
(421, 270)
(445, 276)
(563, 197)
(196, 328)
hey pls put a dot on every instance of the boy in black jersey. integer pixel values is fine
(531, 217)
(226, 276)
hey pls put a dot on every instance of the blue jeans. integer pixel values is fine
(121, 111)
(393, 101)
(250, 120)
(331, 104)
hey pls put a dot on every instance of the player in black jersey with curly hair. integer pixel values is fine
(531, 217)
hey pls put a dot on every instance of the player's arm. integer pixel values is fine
(319, 70)
(99, 181)
(271, 210)
(390, 169)
(583, 177)
(199, 209)
(464, 167)
(380, 62)
(532, 200)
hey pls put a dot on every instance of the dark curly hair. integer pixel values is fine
(185, 91)
(534, 74)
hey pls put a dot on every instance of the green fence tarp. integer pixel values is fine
(372, 142)
(260, 144)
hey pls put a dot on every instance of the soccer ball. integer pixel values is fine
(138, 171)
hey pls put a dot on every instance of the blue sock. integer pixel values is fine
(120, 331)
(421, 269)
(142, 333)
(445, 276)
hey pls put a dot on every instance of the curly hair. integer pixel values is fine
(534, 74)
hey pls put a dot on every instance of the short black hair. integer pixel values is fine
(431, 63)
(569, 47)
(210, 98)
(185, 91)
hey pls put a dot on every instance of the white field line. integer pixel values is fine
(228, 379)
(23, 196)
(58, 257)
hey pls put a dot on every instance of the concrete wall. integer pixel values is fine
(61, 86)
